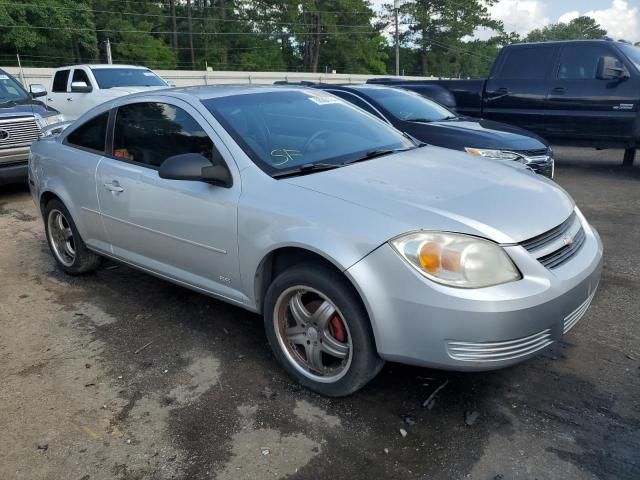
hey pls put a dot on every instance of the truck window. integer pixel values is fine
(526, 62)
(80, 76)
(60, 81)
(580, 62)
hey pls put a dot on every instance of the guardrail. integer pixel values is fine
(195, 77)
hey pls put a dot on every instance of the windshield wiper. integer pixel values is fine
(377, 153)
(308, 168)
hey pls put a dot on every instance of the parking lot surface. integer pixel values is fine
(119, 375)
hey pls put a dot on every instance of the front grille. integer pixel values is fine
(499, 351)
(573, 318)
(18, 132)
(556, 246)
(557, 258)
(533, 153)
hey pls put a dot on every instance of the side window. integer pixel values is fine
(91, 134)
(149, 133)
(80, 76)
(580, 62)
(60, 81)
(527, 63)
(355, 100)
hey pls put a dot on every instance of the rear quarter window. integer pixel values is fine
(91, 135)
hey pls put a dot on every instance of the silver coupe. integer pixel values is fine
(357, 243)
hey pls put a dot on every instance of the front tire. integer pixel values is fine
(319, 330)
(65, 243)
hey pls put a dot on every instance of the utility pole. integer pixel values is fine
(108, 47)
(396, 7)
(20, 68)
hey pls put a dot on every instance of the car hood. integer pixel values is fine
(466, 132)
(433, 188)
(22, 107)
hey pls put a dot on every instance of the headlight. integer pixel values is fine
(456, 260)
(50, 120)
(495, 154)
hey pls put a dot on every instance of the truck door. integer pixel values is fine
(516, 91)
(583, 107)
(57, 97)
(79, 101)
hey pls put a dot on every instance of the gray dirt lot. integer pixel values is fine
(205, 398)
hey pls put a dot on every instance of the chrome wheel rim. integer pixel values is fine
(61, 238)
(313, 334)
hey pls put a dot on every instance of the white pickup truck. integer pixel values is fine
(76, 89)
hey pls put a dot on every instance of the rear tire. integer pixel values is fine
(65, 243)
(319, 330)
(629, 157)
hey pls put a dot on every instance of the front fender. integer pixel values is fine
(339, 232)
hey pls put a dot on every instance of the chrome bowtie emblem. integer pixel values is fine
(4, 134)
(567, 241)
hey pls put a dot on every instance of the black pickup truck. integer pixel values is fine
(581, 93)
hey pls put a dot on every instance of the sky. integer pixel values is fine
(621, 18)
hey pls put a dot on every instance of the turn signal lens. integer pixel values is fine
(456, 260)
(430, 258)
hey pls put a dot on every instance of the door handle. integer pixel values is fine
(69, 99)
(49, 99)
(502, 91)
(114, 187)
(558, 90)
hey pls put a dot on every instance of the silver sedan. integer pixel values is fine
(356, 243)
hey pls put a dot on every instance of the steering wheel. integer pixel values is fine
(313, 138)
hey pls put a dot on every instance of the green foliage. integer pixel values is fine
(438, 28)
(295, 35)
(581, 28)
(28, 30)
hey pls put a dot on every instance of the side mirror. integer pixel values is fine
(37, 90)
(80, 87)
(194, 166)
(171, 84)
(610, 68)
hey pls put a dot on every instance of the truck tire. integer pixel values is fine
(629, 157)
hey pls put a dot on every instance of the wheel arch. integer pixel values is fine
(283, 257)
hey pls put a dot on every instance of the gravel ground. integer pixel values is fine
(118, 375)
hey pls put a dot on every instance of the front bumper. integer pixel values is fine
(418, 322)
(13, 165)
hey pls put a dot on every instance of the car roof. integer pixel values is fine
(205, 92)
(563, 42)
(360, 87)
(103, 65)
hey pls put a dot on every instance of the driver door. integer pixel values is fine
(184, 230)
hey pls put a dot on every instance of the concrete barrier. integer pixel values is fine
(194, 77)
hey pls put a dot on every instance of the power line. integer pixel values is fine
(77, 29)
(167, 16)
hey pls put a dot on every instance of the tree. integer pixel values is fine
(47, 33)
(581, 28)
(437, 27)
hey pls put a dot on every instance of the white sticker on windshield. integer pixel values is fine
(4, 77)
(324, 100)
(148, 74)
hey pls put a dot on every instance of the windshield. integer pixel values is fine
(10, 89)
(126, 77)
(408, 106)
(633, 54)
(284, 130)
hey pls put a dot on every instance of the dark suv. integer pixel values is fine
(21, 121)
